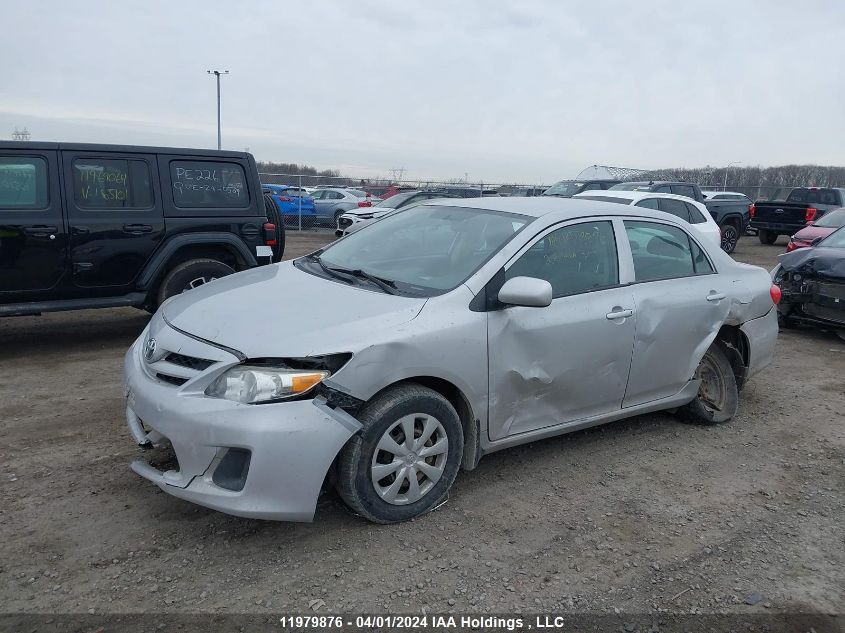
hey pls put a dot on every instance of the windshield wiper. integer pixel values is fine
(329, 271)
(345, 274)
(385, 284)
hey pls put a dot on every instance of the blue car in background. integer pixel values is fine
(290, 200)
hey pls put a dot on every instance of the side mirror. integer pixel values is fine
(816, 240)
(529, 292)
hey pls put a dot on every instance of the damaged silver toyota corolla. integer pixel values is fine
(390, 359)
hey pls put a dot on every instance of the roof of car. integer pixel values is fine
(634, 196)
(566, 207)
(138, 149)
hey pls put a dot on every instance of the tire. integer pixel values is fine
(718, 396)
(767, 237)
(386, 416)
(275, 216)
(730, 237)
(186, 276)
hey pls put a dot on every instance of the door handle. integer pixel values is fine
(618, 314)
(80, 230)
(40, 231)
(137, 228)
(716, 296)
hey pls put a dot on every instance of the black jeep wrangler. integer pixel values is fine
(96, 226)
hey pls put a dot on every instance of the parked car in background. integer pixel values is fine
(382, 208)
(385, 192)
(99, 226)
(680, 206)
(330, 203)
(730, 211)
(817, 230)
(789, 209)
(407, 351)
(812, 282)
(293, 203)
(569, 188)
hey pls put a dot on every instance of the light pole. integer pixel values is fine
(217, 74)
(737, 162)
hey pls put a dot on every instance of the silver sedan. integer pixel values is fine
(403, 353)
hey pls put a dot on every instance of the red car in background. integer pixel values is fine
(821, 228)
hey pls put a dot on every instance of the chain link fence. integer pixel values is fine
(314, 203)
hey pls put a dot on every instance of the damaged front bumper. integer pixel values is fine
(811, 300)
(265, 461)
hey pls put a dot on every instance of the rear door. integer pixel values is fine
(114, 215)
(681, 302)
(33, 236)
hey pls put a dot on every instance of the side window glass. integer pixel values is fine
(695, 216)
(316, 195)
(591, 186)
(660, 251)
(573, 259)
(207, 184)
(23, 182)
(675, 207)
(107, 183)
(648, 203)
(699, 260)
(663, 189)
(684, 190)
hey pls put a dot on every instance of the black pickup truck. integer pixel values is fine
(732, 215)
(789, 209)
(95, 226)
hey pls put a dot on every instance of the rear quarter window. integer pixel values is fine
(207, 184)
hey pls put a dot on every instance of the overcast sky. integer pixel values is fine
(523, 91)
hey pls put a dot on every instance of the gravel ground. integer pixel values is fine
(641, 516)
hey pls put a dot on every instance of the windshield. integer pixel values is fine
(357, 193)
(834, 240)
(395, 200)
(566, 188)
(425, 250)
(832, 220)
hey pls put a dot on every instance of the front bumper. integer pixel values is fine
(290, 445)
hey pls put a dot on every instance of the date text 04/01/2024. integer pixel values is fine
(416, 622)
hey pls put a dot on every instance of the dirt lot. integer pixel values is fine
(639, 516)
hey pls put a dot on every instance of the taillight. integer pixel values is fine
(752, 210)
(365, 203)
(776, 294)
(284, 199)
(810, 214)
(269, 234)
(791, 246)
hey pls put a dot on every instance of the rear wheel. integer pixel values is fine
(405, 458)
(730, 236)
(767, 237)
(191, 274)
(718, 396)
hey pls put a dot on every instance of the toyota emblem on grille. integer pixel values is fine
(150, 348)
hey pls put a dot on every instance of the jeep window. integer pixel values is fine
(23, 182)
(203, 184)
(107, 183)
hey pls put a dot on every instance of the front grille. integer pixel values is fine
(191, 362)
(173, 380)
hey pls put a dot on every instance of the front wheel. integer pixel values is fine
(718, 395)
(730, 236)
(767, 237)
(405, 458)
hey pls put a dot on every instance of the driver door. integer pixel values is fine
(570, 360)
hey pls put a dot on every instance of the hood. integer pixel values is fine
(279, 310)
(810, 233)
(827, 263)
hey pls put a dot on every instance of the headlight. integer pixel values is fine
(254, 384)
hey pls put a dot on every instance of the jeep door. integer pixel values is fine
(569, 360)
(33, 237)
(114, 215)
